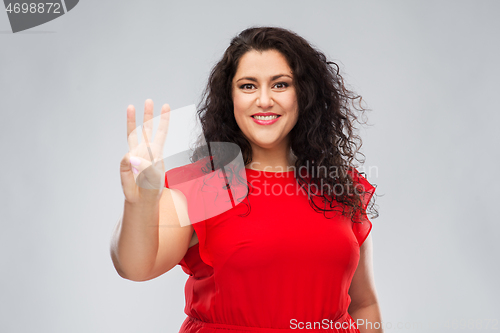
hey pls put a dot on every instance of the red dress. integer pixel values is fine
(279, 267)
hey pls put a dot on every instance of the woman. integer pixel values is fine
(295, 253)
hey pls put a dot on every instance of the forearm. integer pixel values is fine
(368, 319)
(134, 245)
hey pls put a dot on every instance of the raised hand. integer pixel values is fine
(142, 170)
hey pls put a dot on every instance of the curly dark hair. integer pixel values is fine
(324, 136)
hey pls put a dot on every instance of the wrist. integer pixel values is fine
(142, 200)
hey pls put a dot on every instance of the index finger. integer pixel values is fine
(131, 128)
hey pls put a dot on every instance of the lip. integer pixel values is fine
(265, 114)
(265, 122)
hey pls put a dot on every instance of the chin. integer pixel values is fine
(266, 145)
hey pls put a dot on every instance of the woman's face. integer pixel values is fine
(265, 103)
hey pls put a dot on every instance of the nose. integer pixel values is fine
(264, 100)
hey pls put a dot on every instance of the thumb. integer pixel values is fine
(125, 164)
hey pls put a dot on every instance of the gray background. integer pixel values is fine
(428, 70)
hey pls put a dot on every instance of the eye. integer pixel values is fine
(246, 85)
(281, 85)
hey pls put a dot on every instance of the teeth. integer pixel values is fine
(265, 117)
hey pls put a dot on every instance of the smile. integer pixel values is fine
(265, 120)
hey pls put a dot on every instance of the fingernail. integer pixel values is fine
(135, 160)
(134, 170)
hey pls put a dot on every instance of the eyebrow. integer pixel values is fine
(251, 78)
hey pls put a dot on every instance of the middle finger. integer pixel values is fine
(147, 127)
